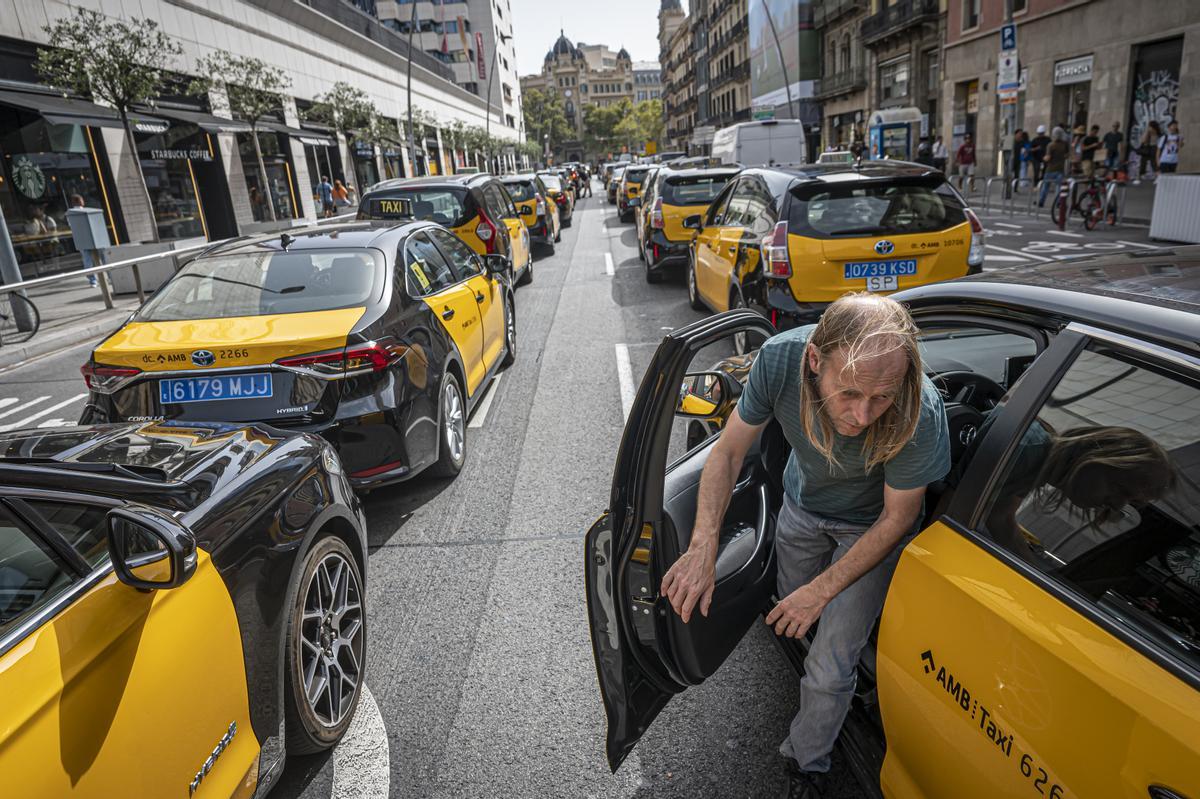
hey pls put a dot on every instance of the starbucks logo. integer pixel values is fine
(29, 178)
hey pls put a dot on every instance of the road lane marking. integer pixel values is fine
(485, 404)
(23, 406)
(1135, 244)
(1007, 259)
(361, 761)
(625, 377)
(1018, 252)
(1065, 233)
(608, 264)
(4, 403)
(1006, 224)
(44, 412)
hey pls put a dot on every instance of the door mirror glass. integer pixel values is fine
(704, 395)
(496, 264)
(148, 549)
(693, 222)
(527, 209)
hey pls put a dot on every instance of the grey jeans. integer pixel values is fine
(805, 545)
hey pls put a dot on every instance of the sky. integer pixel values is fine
(632, 24)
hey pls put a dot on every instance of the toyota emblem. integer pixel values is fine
(203, 358)
(884, 247)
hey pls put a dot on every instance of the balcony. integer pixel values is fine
(831, 10)
(738, 73)
(727, 119)
(845, 82)
(735, 33)
(717, 9)
(897, 17)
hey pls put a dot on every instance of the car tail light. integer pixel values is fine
(656, 214)
(975, 253)
(561, 199)
(776, 262)
(374, 356)
(486, 231)
(541, 204)
(106, 379)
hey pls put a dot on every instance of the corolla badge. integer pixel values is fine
(203, 358)
(884, 247)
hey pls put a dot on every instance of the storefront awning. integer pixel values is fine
(67, 111)
(206, 122)
(895, 116)
(308, 137)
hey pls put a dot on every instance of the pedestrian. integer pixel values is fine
(1037, 153)
(1077, 149)
(1112, 148)
(1089, 144)
(868, 433)
(924, 152)
(341, 195)
(939, 155)
(1169, 147)
(1055, 161)
(965, 159)
(325, 192)
(1148, 151)
(1018, 141)
(1026, 159)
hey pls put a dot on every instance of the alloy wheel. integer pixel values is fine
(511, 329)
(331, 634)
(452, 414)
(739, 339)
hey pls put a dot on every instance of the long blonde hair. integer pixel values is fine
(864, 326)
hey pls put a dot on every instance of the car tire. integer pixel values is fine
(327, 636)
(567, 222)
(527, 275)
(452, 429)
(641, 253)
(558, 235)
(550, 247)
(510, 334)
(692, 289)
(740, 343)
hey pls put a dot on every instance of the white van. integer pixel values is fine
(767, 142)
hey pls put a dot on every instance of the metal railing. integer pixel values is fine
(830, 10)
(898, 16)
(847, 80)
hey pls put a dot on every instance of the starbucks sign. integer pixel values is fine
(28, 178)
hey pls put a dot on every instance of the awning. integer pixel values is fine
(206, 122)
(895, 116)
(307, 137)
(59, 110)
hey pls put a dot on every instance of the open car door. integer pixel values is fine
(644, 652)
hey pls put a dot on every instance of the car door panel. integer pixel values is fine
(459, 314)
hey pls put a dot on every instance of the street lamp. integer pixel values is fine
(504, 37)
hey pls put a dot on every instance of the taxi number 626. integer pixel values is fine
(1041, 780)
(233, 353)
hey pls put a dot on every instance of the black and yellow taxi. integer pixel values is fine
(560, 194)
(380, 336)
(790, 241)
(476, 207)
(630, 190)
(1041, 633)
(182, 605)
(646, 201)
(614, 183)
(676, 196)
(537, 208)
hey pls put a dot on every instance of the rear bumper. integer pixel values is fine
(661, 252)
(775, 301)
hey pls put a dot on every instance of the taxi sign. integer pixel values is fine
(389, 208)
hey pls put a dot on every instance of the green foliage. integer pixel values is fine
(608, 128)
(545, 113)
(344, 108)
(117, 62)
(253, 87)
(650, 119)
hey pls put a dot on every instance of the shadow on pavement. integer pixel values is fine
(310, 776)
(389, 508)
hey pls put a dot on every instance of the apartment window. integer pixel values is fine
(932, 78)
(846, 53)
(450, 26)
(583, 88)
(893, 80)
(1020, 5)
(508, 118)
(508, 95)
(971, 11)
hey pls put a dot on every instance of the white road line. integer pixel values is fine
(361, 760)
(608, 264)
(1007, 259)
(44, 412)
(23, 406)
(1065, 233)
(1018, 252)
(4, 403)
(1136, 244)
(481, 412)
(625, 377)
(1006, 224)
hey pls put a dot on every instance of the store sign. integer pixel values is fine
(1073, 70)
(29, 178)
(194, 154)
(1008, 76)
(479, 59)
(150, 126)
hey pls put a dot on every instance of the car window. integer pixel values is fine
(520, 192)
(693, 190)
(759, 215)
(552, 183)
(895, 206)
(462, 259)
(425, 269)
(635, 176)
(1101, 495)
(446, 206)
(499, 201)
(31, 575)
(737, 214)
(83, 526)
(716, 211)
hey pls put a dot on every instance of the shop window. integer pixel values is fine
(278, 190)
(168, 163)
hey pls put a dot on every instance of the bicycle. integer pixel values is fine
(19, 318)
(1094, 203)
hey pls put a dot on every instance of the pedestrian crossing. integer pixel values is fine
(41, 412)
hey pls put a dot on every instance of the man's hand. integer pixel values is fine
(691, 579)
(797, 611)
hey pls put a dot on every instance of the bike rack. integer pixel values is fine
(1113, 187)
(1010, 204)
(987, 190)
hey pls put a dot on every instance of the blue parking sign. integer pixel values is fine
(1008, 37)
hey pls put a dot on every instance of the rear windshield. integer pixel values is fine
(257, 284)
(635, 175)
(693, 191)
(445, 206)
(520, 191)
(552, 182)
(893, 207)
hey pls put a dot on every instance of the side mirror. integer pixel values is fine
(707, 395)
(693, 222)
(527, 209)
(149, 550)
(495, 264)
(634, 202)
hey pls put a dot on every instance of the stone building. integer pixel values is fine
(842, 88)
(678, 75)
(728, 57)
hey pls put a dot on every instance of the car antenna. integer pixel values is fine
(286, 240)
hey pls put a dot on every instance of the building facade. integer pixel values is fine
(842, 87)
(1083, 62)
(647, 81)
(727, 52)
(197, 159)
(678, 75)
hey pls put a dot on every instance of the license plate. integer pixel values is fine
(884, 283)
(867, 269)
(211, 388)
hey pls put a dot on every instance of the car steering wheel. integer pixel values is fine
(969, 397)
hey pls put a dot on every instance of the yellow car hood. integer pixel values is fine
(236, 341)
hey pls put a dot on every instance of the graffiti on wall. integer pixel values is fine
(1154, 98)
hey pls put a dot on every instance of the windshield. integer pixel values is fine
(902, 205)
(635, 175)
(552, 182)
(445, 206)
(520, 191)
(693, 191)
(258, 284)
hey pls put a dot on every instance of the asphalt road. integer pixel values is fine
(480, 667)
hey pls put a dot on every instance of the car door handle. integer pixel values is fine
(733, 249)
(1160, 792)
(448, 313)
(479, 296)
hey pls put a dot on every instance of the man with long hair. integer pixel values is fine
(868, 433)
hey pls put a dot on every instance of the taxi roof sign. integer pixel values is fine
(390, 208)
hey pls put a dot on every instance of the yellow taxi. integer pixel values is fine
(538, 210)
(630, 190)
(560, 193)
(788, 242)
(476, 207)
(672, 196)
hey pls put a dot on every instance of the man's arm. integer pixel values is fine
(691, 578)
(796, 612)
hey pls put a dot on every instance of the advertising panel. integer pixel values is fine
(784, 50)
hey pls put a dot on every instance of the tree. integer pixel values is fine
(347, 110)
(600, 125)
(253, 88)
(650, 119)
(545, 114)
(118, 63)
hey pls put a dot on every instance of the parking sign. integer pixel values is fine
(1008, 37)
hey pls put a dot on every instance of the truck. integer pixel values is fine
(766, 142)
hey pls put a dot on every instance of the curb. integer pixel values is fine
(62, 338)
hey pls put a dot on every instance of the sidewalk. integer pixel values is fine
(71, 312)
(1139, 200)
